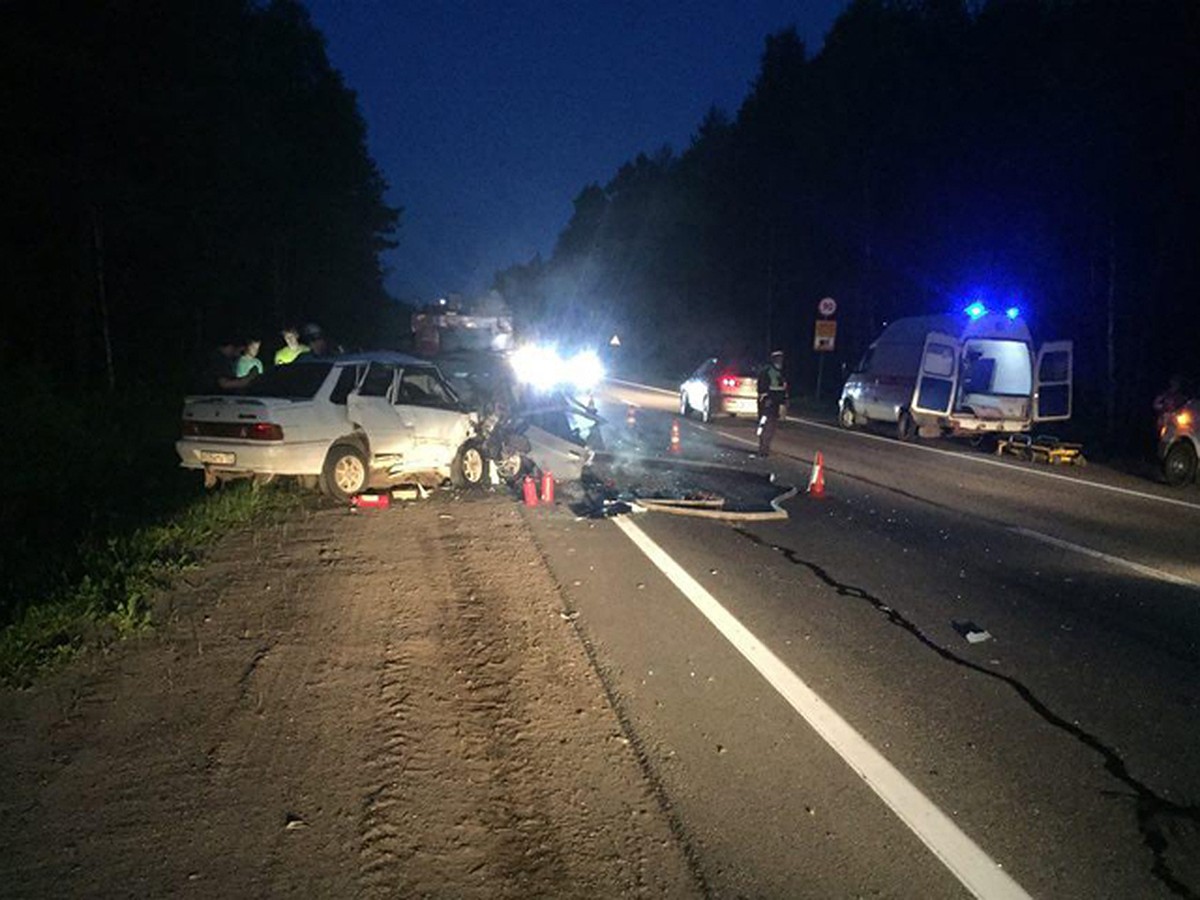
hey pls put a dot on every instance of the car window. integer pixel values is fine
(739, 368)
(377, 381)
(294, 382)
(705, 367)
(347, 378)
(422, 387)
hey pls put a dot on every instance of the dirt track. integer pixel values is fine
(375, 704)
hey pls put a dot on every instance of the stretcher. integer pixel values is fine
(1044, 449)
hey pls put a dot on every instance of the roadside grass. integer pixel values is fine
(113, 597)
(96, 514)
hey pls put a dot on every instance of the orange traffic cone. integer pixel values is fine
(631, 416)
(816, 481)
(674, 448)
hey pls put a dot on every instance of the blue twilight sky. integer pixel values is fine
(488, 118)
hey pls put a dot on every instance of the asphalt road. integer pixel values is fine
(814, 704)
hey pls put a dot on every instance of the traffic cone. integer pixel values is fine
(631, 416)
(529, 491)
(674, 448)
(548, 488)
(816, 481)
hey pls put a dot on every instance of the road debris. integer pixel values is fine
(974, 634)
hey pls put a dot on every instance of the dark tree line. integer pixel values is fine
(1042, 152)
(172, 173)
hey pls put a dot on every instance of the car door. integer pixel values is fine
(937, 376)
(1052, 382)
(371, 407)
(438, 423)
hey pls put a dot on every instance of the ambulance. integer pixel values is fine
(970, 375)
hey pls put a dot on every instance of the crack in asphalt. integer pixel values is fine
(1150, 807)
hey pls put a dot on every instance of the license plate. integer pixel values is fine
(742, 405)
(217, 457)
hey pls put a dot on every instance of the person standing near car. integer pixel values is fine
(772, 394)
(221, 371)
(291, 348)
(249, 362)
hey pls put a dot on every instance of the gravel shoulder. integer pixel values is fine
(347, 704)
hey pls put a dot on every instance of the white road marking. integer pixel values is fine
(977, 872)
(970, 458)
(645, 387)
(737, 437)
(1148, 571)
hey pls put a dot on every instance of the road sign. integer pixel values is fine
(825, 335)
(827, 307)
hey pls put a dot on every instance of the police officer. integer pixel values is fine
(772, 394)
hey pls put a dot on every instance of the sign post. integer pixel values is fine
(824, 337)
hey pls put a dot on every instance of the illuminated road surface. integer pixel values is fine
(945, 667)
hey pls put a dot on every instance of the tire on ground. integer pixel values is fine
(1179, 465)
(469, 469)
(846, 417)
(345, 472)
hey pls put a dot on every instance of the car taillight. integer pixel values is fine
(265, 431)
(728, 382)
(246, 431)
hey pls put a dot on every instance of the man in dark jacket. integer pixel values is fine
(772, 394)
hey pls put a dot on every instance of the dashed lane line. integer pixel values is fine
(974, 869)
(1121, 562)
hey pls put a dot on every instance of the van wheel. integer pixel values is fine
(846, 416)
(469, 469)
(906, 427)
(345, 472)
(1179, 465)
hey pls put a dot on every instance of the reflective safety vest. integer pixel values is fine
(286, 354)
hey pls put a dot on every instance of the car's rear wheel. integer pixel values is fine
(345, 472)
(469, 469)
(684, 407)
(706, 409)
(1179, 465)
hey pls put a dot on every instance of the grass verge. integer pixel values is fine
(112, 597)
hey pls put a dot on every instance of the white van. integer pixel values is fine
(944, 375)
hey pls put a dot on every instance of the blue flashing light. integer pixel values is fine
(976, 310)
(1012, 312)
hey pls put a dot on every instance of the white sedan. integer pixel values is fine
(344, 423)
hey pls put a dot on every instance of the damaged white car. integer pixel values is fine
(345, 424)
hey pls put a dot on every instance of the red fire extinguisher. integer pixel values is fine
(547, 488)
(529, 491)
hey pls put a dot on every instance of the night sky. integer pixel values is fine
(488, 118)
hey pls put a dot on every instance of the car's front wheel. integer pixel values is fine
(469, 469)
(1179, 465)
(846, 416)
(345, 472)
